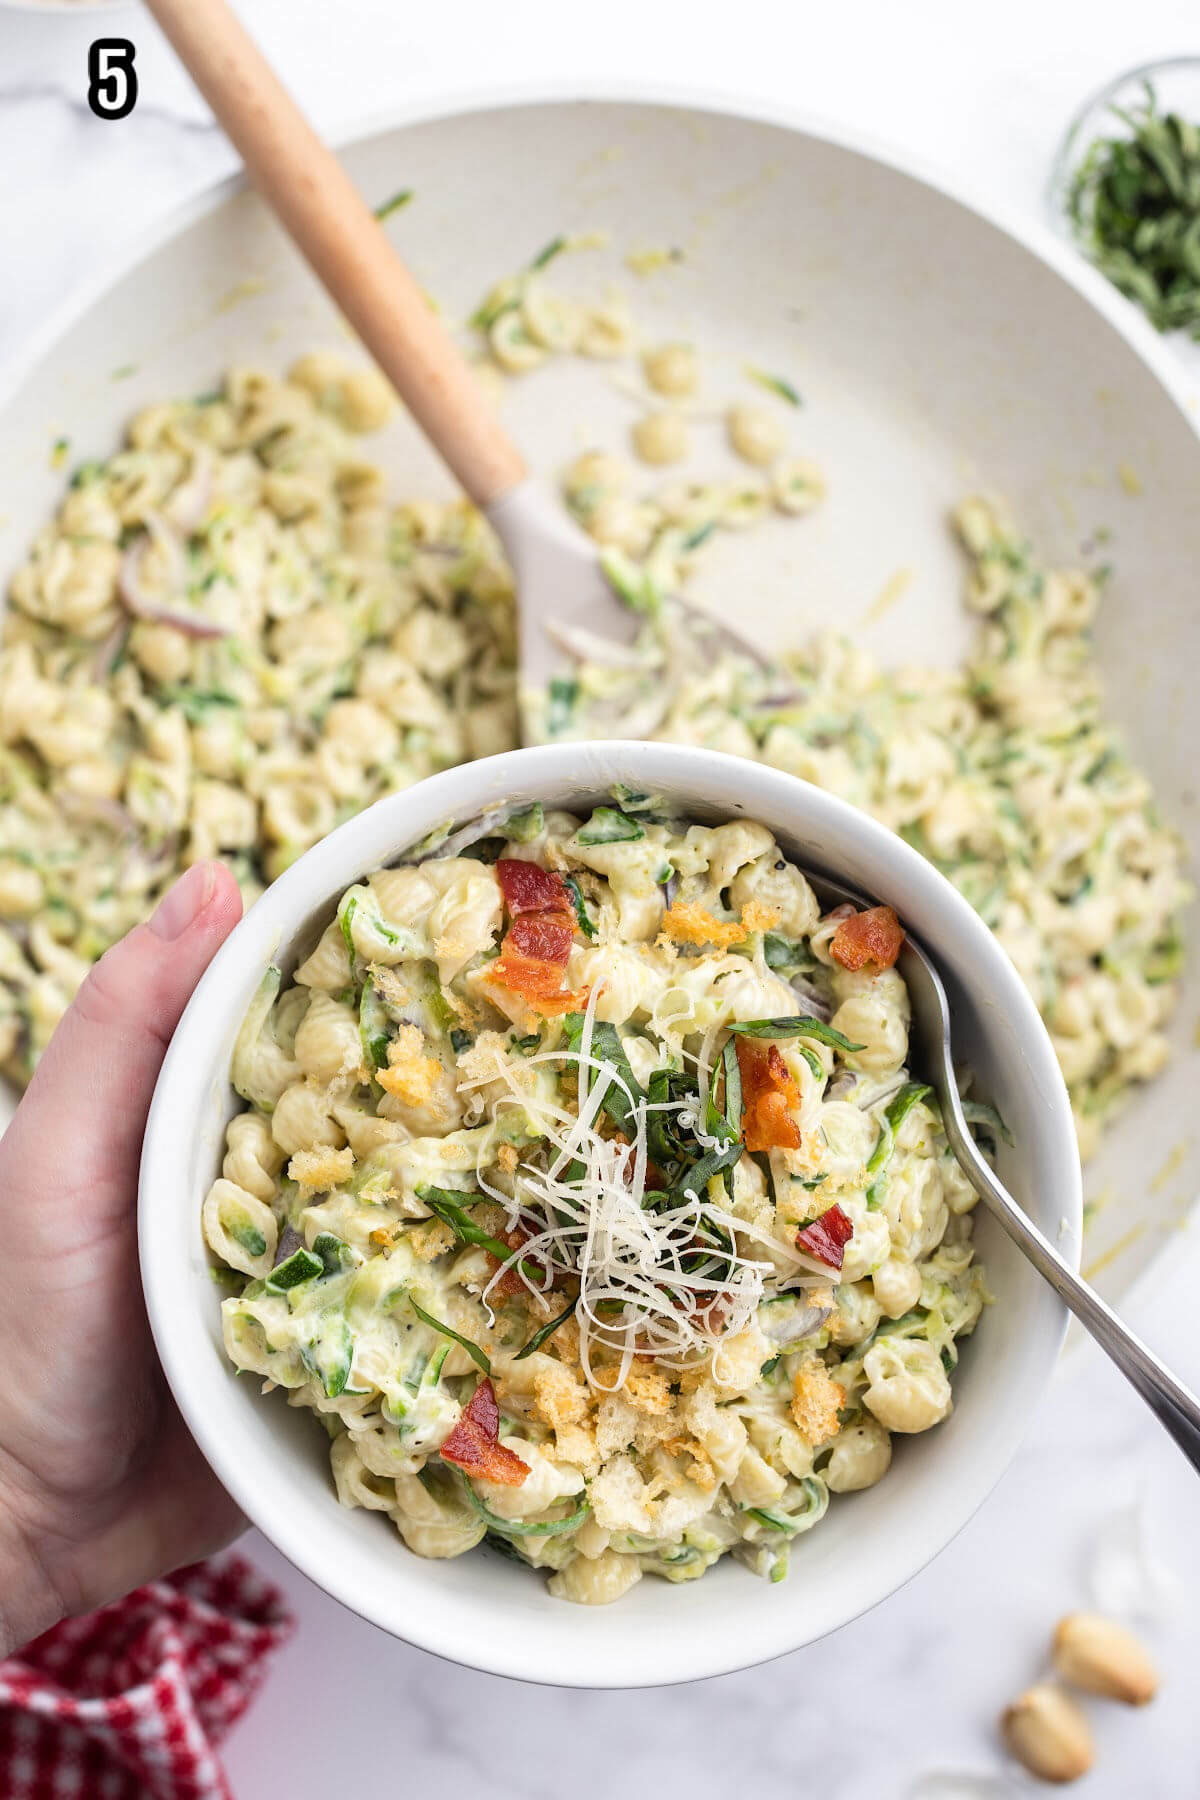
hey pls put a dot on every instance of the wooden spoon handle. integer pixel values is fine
(344, 243)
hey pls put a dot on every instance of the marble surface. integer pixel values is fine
(913, 1690)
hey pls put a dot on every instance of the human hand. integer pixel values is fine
(101, 1487)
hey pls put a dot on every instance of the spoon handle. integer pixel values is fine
(328, 220)
(1176, 1406)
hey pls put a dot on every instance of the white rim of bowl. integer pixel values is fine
(547, 767)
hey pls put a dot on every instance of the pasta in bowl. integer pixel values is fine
(585, 1193)
(485, 1607)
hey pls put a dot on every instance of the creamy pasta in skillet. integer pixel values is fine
(585, 1193)
(231, 637)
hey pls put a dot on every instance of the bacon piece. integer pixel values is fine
(654, 1175)
(510, 1282)
(541, 937)
(875, 936)
(768, 1093)
(537, 946)
(539, 983)
(530, 889)
(474, 1447)
(825, 1238)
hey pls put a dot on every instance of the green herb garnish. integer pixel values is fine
(547, 254)
(448, 1206)
(1134, 202)
(546, 1332)
(583, 917)
(607, 1047)
(774, 384)
(910, 1094)
(478, 1357)
(795, 1027)
(400, 198)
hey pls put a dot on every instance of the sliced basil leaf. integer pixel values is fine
(795, 1026)
(783, 953)
(774, 384)
(447, 1205)
(733, 1087)
(582, 916)
(478, 1357)
(546, 1332)
(697, 1178)
(607, 1047)
(909, 1096)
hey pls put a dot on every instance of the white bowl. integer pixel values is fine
(480, 1609)
(936, 348)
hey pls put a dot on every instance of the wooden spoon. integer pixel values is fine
(560, 586)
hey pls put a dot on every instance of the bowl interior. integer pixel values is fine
(480, 1608)
(933, 351)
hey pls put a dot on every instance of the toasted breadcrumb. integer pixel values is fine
(411, 1075)
(700, 1469)
(648, 1389)
(816, 1399)
(506, 1157)
(431, 1240)
(488, 1215)
(758, 916)
(687, 922)
(558, 1398)
(321, 1168)
(574, 1444)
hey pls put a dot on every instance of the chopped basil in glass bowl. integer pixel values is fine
(1125, 189)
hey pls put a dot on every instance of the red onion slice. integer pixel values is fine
(98, 809)
(143, 605)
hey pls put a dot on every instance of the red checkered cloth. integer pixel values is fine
(129, 1702)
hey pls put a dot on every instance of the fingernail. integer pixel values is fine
(185, 901)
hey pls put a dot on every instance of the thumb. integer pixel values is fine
(78, 1129)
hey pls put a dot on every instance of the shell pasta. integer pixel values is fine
(230, 639)
(584, 1191)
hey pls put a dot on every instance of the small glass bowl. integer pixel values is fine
(1176, 85)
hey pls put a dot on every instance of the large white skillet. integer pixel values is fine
(936, 347)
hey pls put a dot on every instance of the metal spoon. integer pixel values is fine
(1175, 1405)
(560, 586)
